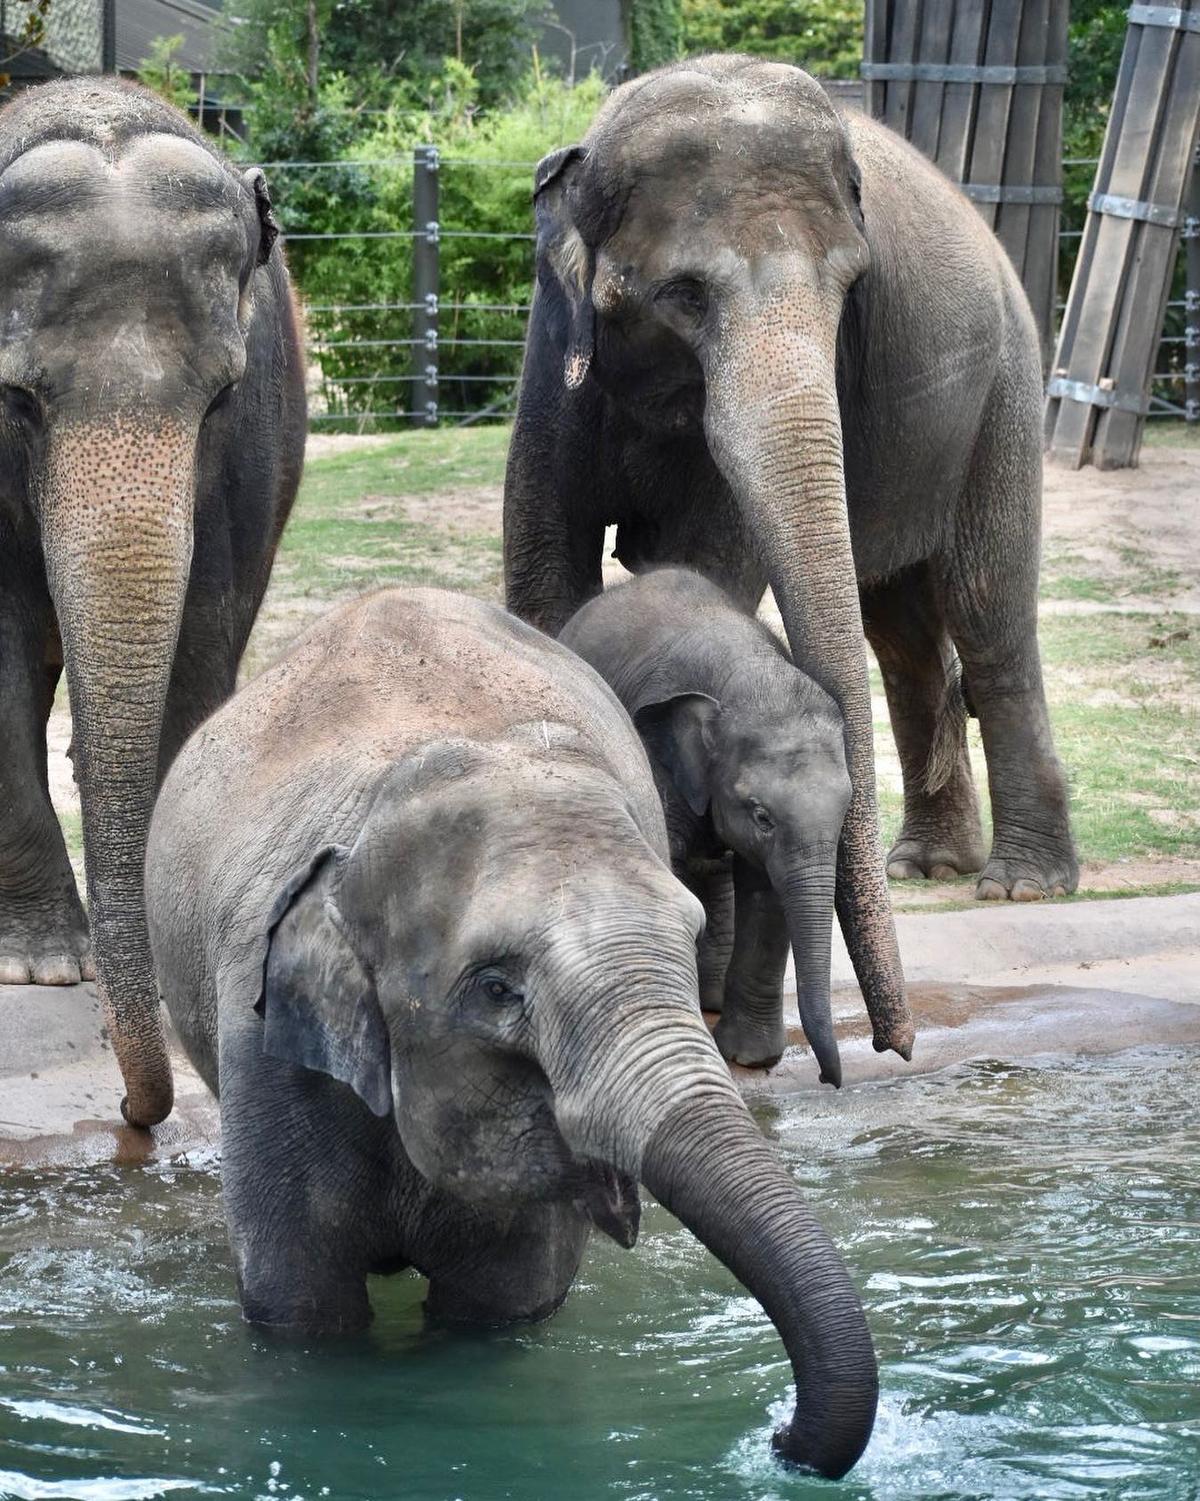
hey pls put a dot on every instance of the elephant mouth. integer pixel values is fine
(610, 1200)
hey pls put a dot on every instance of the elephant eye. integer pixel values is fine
(686, 295)
(762, 819)
(22, 405)
(499, 991)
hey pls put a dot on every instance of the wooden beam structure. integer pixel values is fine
(1099, 389)
(977, 85)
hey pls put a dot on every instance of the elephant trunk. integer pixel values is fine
(116, 517)
(807, 893)
(712, 1169)
(639, 1084)
(774, 428)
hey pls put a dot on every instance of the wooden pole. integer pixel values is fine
(1099, 389)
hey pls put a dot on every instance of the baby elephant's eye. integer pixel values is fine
(498, 991)
(762, 819)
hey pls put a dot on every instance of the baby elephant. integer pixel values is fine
(750, 759)
(412, 916)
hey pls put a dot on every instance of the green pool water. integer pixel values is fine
(1026, 1239)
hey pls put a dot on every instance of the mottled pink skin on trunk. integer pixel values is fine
(774, 428)
(116, 512)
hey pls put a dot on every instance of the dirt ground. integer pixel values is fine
(1132, 536)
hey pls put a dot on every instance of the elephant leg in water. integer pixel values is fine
(941, 836)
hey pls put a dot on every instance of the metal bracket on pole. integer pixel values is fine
(1164, 15)
(1135, 208)
(991, 192)
(961, 73)
(1191, 228)
(1095, 396)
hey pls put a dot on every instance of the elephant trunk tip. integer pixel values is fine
(829, 1454)
(898, 1038)
(831, 1072)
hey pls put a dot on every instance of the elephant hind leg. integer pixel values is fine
(711, 883)
(940, 837)
(989, 587)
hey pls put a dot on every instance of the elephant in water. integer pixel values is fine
(750, 758)
(778, 346)
(152, 420)
(412, 915)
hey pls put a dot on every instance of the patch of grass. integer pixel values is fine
(1172, 434)
(1066, 575)
(349, 534)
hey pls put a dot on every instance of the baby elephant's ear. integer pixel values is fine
(318, 1003)
(678, 732)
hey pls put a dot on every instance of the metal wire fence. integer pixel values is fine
(406, 324)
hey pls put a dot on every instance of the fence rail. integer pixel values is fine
(457, 356)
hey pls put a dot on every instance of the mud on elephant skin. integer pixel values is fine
(152, 418)
(750, 760)
(411, 909)
(776, 345)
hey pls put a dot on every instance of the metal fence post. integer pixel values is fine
(1191, 304)
(425, 286)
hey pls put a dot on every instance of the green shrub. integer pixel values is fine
(485, 179)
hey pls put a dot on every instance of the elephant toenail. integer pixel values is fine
(1027, 891)
(56, 969)
(990, 891)
(904, 870)
(943, 872)
(13, 971)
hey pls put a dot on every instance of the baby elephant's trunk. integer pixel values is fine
(807, 891)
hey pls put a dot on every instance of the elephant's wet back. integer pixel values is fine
(1023, 1236)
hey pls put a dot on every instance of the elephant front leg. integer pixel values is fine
(751, 1030)
(711, 883)
(941, 836)
(43, 927)
(489, 1269)
(306, 1196)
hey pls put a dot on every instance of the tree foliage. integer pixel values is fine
(163, 73)
(822, 36)
(392, 50)
(655, 33)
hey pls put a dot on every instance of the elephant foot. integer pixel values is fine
(1026, 880)
(749, 1041)
(933, 859)
(44, 943)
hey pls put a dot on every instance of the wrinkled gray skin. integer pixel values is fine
(411, 909)
(152, 422)
(777, 346)
(750, 760)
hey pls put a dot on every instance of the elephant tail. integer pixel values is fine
(950, 731)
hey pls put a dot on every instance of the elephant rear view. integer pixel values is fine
(152, 420)
(411, 909)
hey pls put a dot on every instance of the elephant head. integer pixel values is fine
(776, 787)
(501, 962)
(706, 237)
(128, 261)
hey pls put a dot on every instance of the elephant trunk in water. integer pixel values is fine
(639, 1083)
(774, 428)
(116, 517)
(806, 889)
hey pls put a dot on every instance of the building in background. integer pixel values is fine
(111, 36)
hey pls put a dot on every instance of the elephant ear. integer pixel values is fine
(318, 1002)
(678, 731)
(268, 227)
(561, 247)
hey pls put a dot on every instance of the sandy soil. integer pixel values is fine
(1141, 523)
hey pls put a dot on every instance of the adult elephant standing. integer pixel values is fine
(152, 419)
(777, 345)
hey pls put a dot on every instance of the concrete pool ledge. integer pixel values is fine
(1002, 982)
